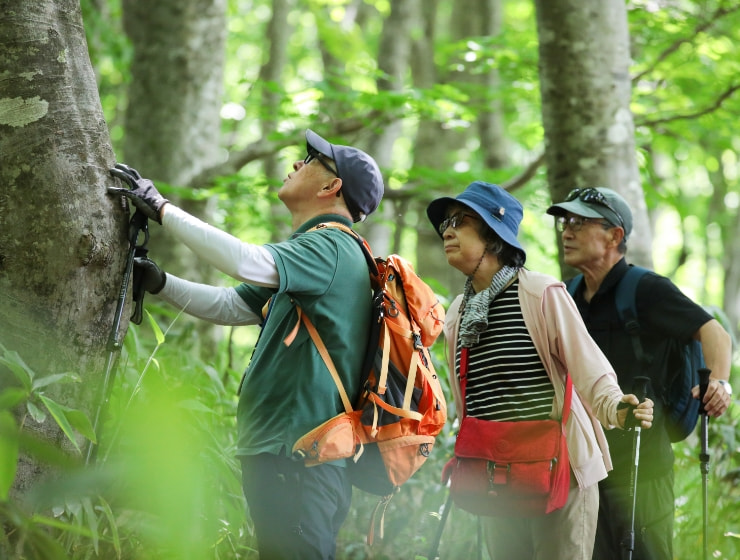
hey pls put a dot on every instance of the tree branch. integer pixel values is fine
(524, 177)
(693, 115)
(263, 148)
(717, 15)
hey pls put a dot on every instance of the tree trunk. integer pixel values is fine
(62, 238)
(585, 86)
(435, 143)
(269, 86)
(394, 53)
(431, 152)
(173, 124)
(172, 121)
(483, 80)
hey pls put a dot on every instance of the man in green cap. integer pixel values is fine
(595, 224)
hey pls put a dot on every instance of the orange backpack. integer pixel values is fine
(390, 430)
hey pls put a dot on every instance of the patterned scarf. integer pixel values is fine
(475, 306)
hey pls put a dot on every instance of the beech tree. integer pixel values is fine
(585, 84)
(62, 238)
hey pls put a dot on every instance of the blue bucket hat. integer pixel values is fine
(362, 181)
(497, 208)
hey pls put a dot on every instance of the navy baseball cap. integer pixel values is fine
(497, 208)
(362, 181)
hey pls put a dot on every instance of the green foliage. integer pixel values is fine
(37, 403)
(723, 491)
(167, 484)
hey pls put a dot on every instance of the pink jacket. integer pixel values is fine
(563, 344)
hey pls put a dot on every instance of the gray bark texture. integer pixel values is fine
(586, 88)
(436, 144)
(173, 124)
(431, 151)
(62, 238)
(172, 121)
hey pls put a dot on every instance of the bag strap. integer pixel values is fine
(364, 245)
(627, 309)
(573, 284)
(415, 364)
(313, 333)
(324, 353)
(624, 299)
(464, 361)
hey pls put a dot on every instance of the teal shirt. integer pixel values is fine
(288, 390)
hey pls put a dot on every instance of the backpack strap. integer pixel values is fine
(573, 285)
(626, 306)
(405, 411)
(366, 250)
(627, 309)
(324, 353)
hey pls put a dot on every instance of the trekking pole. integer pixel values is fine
(704, 455)
(137, 225)
(434, 550)
(639, 389)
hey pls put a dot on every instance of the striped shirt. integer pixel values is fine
(506, 378)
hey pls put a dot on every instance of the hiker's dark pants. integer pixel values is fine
(296, 511)
(653, 519)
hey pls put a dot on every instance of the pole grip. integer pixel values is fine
(640, 388)
(703, 384)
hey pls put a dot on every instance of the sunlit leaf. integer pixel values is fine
(55, 378)
(155, 327)
(59, 413)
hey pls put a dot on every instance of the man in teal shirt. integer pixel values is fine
(287, 389)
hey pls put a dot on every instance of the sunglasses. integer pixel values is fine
(454, 221)
(318, 156)
(592, 196)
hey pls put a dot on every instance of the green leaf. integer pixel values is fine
(15, 363)
(92, 522)
(12, 397)
(197, 406)
(155, 327)
(112, 524)
(59, 412)
(8, 453)
(81, 423)
(35, 412)
(55, 378)
(61, 526)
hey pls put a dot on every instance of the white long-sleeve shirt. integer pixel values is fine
(242, 261)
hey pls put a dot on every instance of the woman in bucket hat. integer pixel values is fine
(523, 334)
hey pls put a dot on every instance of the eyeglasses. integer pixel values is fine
(454, 221)
(591, 195)
(575, 223)
(318, 156)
